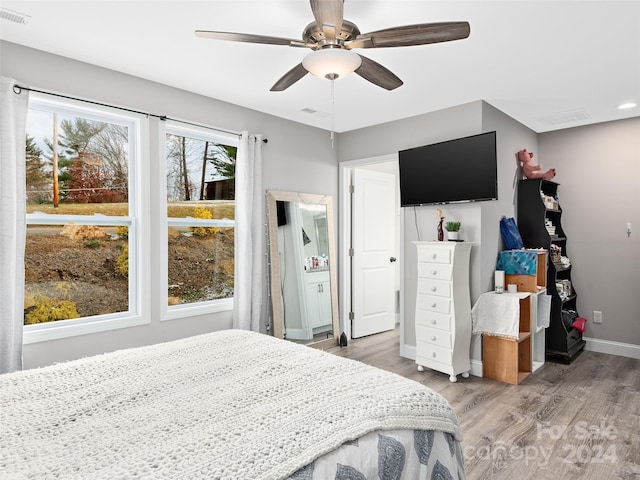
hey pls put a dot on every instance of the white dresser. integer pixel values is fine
(443, 308)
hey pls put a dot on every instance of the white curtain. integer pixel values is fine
(249, 261)
(13, 118)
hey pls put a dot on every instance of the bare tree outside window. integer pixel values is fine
(76, 268)
(200, 252)
(78, 243)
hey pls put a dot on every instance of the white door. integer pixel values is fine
(373, 240)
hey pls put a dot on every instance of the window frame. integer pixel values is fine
(175, 312)
(138, 224)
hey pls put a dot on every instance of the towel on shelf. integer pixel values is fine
(498, 314)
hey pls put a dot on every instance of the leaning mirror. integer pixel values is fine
(303, 273)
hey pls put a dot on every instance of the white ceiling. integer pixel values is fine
(548, 64)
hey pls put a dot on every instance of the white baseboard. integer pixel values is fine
(409, 351)
(593, 345)
(476, 368)
(612, 348)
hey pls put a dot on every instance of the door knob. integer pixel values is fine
(392, 259)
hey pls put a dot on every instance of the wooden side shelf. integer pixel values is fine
(531, 283)
(507, 359)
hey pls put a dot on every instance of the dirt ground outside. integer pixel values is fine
(86, 270)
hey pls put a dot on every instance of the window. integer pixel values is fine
(82, 255)
(200, 180)
(98, 211)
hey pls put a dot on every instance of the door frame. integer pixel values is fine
(344, 237)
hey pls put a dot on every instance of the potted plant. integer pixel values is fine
(453, 229)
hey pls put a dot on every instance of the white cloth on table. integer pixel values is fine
(498, 314)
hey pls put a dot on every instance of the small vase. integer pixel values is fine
(440, 230)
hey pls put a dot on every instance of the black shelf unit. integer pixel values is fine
(563, 342)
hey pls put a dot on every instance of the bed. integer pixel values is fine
(226, 405)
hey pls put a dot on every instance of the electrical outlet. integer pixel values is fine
(597, 316)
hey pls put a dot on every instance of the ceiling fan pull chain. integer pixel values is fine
(333, 108)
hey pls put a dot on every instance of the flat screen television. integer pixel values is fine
(461, 170)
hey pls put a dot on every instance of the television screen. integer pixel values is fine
(281, 213)
(461, 170)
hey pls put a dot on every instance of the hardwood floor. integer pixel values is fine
(578, 421)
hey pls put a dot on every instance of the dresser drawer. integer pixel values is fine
(433, 336)
(427, 352)
(435, 270)
(433, 320)
(439, 288)
(434, 255)
(433, 304)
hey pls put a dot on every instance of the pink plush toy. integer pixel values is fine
(531, 169)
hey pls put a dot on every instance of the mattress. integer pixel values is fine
(225, 405)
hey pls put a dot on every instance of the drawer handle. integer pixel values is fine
(434, 272)
(433, 354)
(434, 255)
(433, 338)
(433, 321)
(434, 305)
(434, 288)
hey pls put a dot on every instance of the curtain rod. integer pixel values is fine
(17, 89)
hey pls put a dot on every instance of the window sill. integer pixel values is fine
(72, 328)
(179, 312)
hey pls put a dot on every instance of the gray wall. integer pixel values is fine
(297, 157)
(511, 137)
(407, 133)
(480, 220)
(598, 169)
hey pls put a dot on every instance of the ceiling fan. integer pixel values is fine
(332, 38)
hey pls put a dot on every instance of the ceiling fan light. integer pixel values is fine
(332, 63)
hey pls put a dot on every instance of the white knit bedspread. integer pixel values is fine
(227, 405)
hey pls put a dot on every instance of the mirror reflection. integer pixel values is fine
(303, 277)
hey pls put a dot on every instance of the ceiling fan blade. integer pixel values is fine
(329, 15)
(409, 35)
(289, 78)
(249, 38)
(377, 74)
